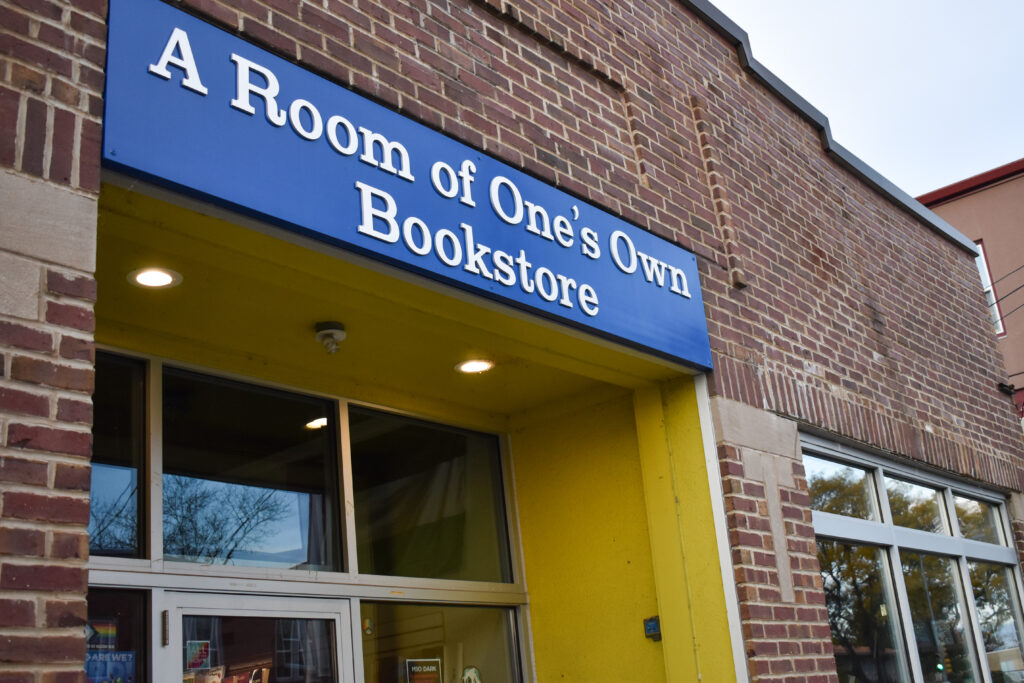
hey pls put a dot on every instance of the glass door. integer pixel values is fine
(218, 638)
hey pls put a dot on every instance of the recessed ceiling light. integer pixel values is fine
(318, 423)
(154, 278)
(475, 366)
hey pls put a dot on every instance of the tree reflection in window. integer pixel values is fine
(839, 489)
(915, 506)
(936, 611)
(999, 620)
(860, 605)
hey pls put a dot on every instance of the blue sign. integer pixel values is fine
(204, 112)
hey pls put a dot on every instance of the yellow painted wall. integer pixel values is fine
(585, 545)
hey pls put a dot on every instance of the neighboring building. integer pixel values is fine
(989, 208)
(740, 382)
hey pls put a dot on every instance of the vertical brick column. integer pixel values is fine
(51, 82)
(778, 584)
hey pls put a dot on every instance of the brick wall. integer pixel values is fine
(51, 80)
(827, 304)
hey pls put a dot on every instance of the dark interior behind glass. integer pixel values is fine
(249, 477)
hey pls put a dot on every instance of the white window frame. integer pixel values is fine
(891, 538)
(155, 575)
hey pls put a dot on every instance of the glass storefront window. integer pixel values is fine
(915, 506)
(937, 613)
(428, 499)
(899, 583)
(231, 649)
(978, 520)
(861, 609)
(840, 489)
(999, 618)
(115, 636)
(405, 643)
(249, 475)
(118, 455)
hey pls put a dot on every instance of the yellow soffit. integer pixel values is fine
(251, 294)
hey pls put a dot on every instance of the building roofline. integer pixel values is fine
(735, 35)
(972, 184)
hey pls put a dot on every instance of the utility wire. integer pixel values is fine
(1010, 273)
(1016, 289)
(1012, 312)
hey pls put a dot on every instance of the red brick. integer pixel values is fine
(25, 337)
(50, 440)
(65, 613)
(74, 348)
(78, 286)
(32, 577)
(37, 371)
(70, 410)
(8, 121)
(69, 315)
(34, 147)
(63, 677)
(67, 546)
(27, 80)
(21, 649)
(22, 542)
(17, 613)
(268, 37)
(62, 147)
(23, 403)
(89, 159)
(72, 477)
(20, 471)
(56, 509)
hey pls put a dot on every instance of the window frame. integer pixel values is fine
(154, 574)
(989, 290)
(892, 539)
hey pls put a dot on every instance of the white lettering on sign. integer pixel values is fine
(379, 220)
(456, 246)
(626, 256)
(178, 42)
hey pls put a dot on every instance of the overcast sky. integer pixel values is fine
(927, 92)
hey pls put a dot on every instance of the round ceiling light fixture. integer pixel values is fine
(154, 278)
(474, 366)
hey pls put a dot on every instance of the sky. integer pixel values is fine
(926, 92)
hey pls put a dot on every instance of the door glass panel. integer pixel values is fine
(1000, 620)
(119, 410)
(405, 643)
(249, 475)
(428, 499)
(978, 520)
(231, 649)
(937, 613)
(916, 506)
(840, 489)
(860, 606)
(115, 636)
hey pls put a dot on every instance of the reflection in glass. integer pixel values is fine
(916, 506)
(978, 520)
(231, 649)
(118, 453)
(1000, 620)
(245, 481)
(428, 499)
(860, 605)
(115, 635)
(463, 639)
(937, 613)
(839, 489)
